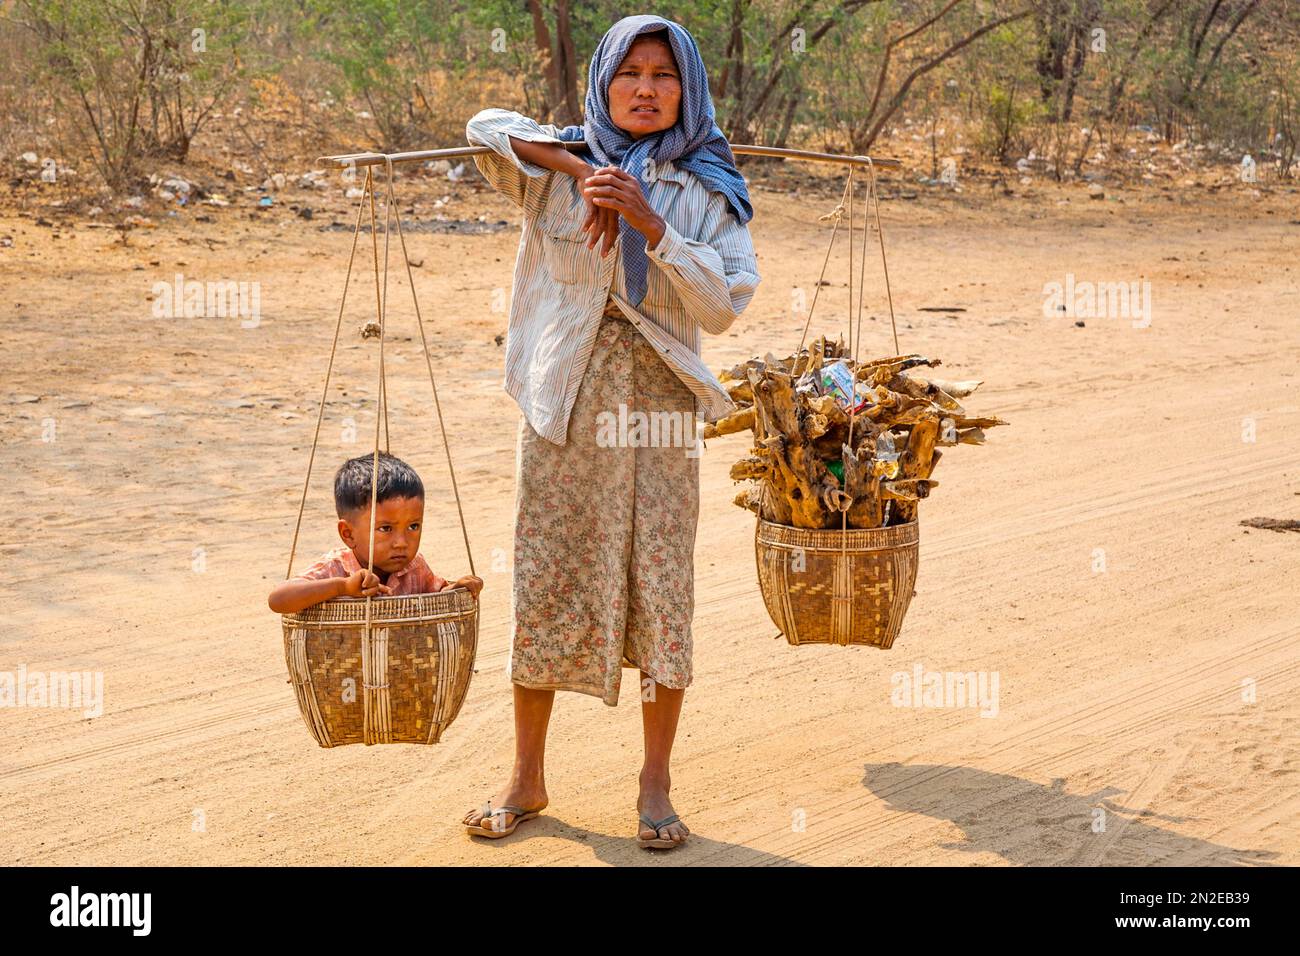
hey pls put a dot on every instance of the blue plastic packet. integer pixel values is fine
(838, 381)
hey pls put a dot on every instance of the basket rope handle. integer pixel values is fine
(329, 368)
(428, 362)
(855, 327)
(837, 214)
(381, 296)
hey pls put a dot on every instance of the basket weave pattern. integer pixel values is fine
(827, 586)
(404, 682)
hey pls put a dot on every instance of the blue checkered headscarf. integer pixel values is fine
(694, 142)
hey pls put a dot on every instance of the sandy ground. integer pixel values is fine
(166, 502)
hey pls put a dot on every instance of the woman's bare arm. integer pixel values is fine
(552, 156)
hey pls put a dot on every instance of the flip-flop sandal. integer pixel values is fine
(520, 816)
(658, 843)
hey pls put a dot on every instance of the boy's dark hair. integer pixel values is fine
(397, 479)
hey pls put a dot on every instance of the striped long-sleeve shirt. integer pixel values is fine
(704, 274)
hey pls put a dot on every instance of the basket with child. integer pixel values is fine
(380, 648)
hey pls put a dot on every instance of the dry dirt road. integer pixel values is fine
(1090, 556)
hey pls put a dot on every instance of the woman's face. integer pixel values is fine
(645, 94)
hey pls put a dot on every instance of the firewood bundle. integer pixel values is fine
(808, 470)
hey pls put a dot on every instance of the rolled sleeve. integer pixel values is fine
(716, 276)
(503, 168)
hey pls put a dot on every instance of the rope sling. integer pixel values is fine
(397, 707)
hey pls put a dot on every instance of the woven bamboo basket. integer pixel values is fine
(401, 683)
(828, 586)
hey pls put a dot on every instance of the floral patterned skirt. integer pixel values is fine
(604, 573)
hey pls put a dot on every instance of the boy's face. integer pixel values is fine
(398, 522)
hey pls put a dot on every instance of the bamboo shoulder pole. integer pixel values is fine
(344, 160)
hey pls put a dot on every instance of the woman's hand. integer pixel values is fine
(599, 221)
(612, 189)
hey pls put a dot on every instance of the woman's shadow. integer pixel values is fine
(1029, 824)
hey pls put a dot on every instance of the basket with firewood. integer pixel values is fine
(843, 452)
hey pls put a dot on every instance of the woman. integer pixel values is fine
(605, 524)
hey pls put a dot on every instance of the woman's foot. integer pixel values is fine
(512, 794)
(653, 802)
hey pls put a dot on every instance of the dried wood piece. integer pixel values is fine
(956, 389)
(815, 465)
(895, 364)
(740, 391)
(751, 468)
(1271, 524)
(920, 447)
(773, 507)
(961, 421)
(919, 388)
(735, 422)
(815, 425)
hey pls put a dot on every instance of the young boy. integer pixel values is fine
(399, 517)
